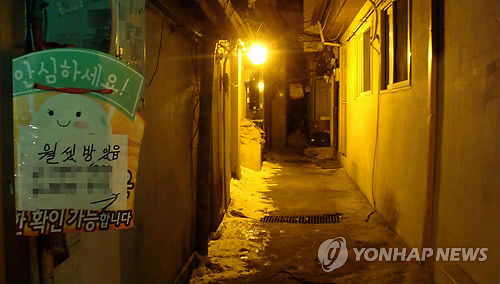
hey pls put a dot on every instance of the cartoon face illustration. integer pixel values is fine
(71, 113)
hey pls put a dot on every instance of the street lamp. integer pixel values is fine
(257, 53)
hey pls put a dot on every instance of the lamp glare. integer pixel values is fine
(257, 53)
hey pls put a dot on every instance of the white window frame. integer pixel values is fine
(361, 62)
(387, 14)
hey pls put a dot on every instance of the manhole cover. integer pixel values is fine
(311, 219)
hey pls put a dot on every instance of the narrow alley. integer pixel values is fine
(249, 141)
(246, 250)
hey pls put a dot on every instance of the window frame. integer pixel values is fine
(387, 38)
(361, 62)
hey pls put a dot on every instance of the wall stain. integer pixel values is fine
(391, 210)
(492, 84)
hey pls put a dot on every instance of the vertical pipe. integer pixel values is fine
(242, 92)
(331, 107)
(235, 116)
(204, 147)
(432, 87)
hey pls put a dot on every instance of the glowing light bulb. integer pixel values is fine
(257, 53)
(261, 86)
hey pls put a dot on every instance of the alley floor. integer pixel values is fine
(246, 250)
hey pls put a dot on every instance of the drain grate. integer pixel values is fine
(298, 161)
(312, 219)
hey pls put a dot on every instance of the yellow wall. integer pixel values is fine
(401, 157)
(467, 183)
(468, 208)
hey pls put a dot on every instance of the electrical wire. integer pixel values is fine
(225, 6)
(197, 125)
(340, 31)
(196, 94)
(330, 27)
(372, 39)
(374, 160)
(159, 52)
(260, 26)
(29, 43)
(375, 35)
(328, 11)
(232, 13)
(308, 26)
(228, 50)
(195, 68)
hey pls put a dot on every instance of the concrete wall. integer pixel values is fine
(275, 77)
(401, 158)
(163, 235)
(468, 204)
(221, 146)
(322, 101)
(96, 259)
(278, 120)
(14, 258)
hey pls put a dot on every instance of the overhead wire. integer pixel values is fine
(159, 52)
(340, 31)
(375, 34)
(328, 10)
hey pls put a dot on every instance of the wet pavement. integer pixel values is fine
(246, 250)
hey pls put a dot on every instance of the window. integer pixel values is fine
(364, 61)
(395, 53)
(366, 87)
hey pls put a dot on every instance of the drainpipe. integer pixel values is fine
(432, 92)
(204, 145)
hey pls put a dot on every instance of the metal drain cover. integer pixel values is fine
(311, 219)
(298, 161)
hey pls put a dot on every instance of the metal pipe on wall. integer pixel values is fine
(435, 34)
